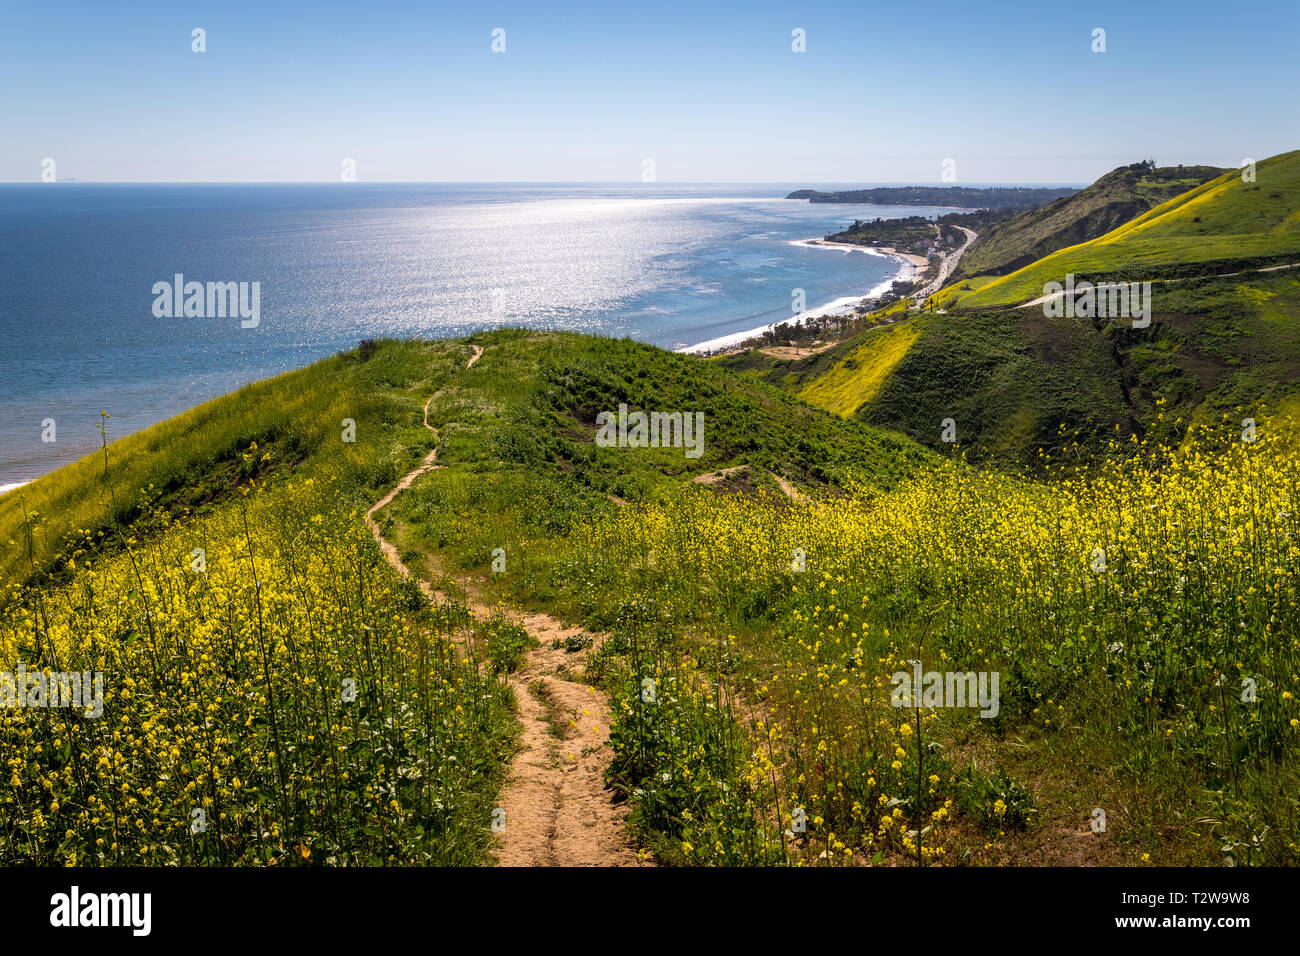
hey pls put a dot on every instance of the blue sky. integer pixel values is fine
(586, 92)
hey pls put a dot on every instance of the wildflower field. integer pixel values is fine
(274, 693)
(1140, 613)
(1142, 618)
(289, 700)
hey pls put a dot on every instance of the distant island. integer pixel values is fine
(958, 197)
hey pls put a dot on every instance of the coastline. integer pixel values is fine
(917, 262)
(909, 267)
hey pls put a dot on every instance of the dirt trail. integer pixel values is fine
(557, 811)
(1223, 275)
(429, 463)
(713, 477)
(787, 489)
(386, 546)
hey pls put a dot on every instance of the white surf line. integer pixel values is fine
(883, 252)
(11, 487)
(838, 306)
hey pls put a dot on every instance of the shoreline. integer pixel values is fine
(910, 266)
(917, 262)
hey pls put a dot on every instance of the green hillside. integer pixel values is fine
(711, 639)
(765, 665)
(1224, 225)
(218, 570)
(1008, 379)
(197, 459)
(520, 452)
(1116, 198)
(556, 385)
(1012, 377)
(1016, 376)
(1223, 335)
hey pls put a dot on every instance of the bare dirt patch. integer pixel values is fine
(790, 352)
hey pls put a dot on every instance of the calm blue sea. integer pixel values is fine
(670, 265)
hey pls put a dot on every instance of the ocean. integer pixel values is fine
(670, 265)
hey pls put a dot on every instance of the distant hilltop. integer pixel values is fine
(959, 197)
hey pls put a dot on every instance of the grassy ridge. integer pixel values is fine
(522, 469)
(196, 458)
(1111, 201)
(532, 401)
(773, 682)
(1012, 377)
(860, 376)
(1008, 379)
(1221, 226)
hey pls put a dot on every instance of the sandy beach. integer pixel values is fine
(909, 267)
(919, 262)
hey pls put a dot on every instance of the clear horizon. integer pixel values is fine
(1008, 93)
(540, 182)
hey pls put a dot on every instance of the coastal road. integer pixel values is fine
(946, 268)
